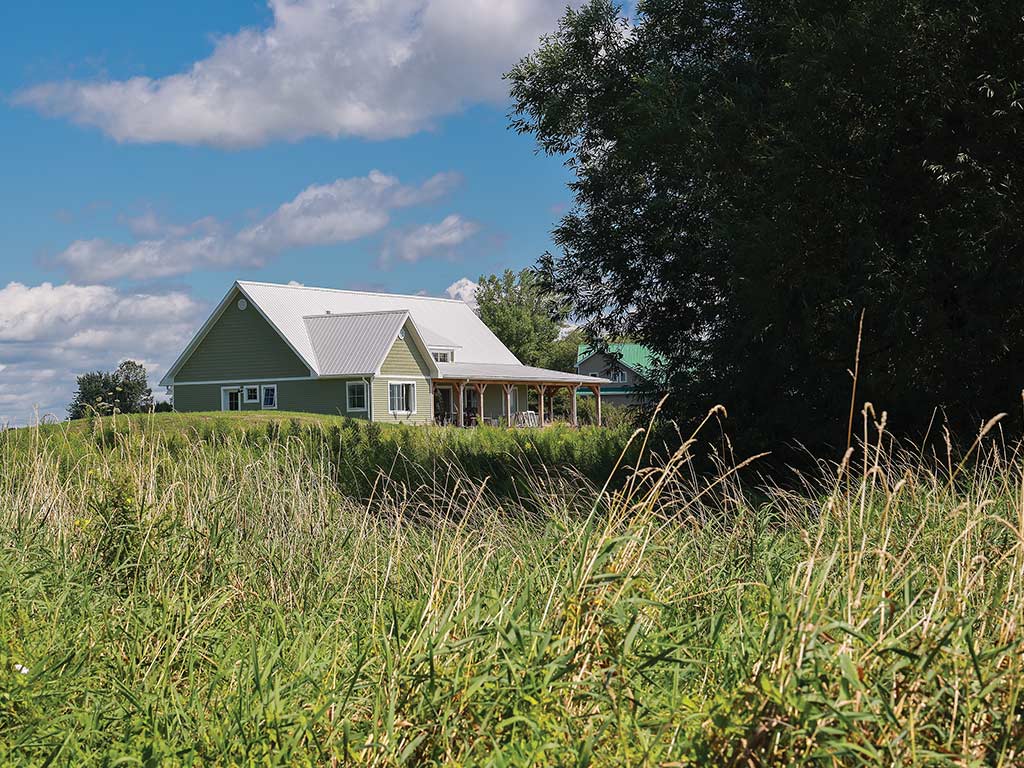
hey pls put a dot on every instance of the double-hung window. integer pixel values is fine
(402, 397)
(269, 399)
(356, 392)
(441, 357)
(252, 394)
(618, 376)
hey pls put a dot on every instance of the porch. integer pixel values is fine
(469, 403)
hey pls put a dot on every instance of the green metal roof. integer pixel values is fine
(635, 356)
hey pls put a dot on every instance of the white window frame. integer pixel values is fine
(223, 401)
(348, 397)
(254, 388)
(402, 384)
(438, 353)
(263, 397)
(618, 377)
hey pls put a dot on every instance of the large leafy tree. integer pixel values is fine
(752, 175)
(104, 392)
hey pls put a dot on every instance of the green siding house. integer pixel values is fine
(383, 357)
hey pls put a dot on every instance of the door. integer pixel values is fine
(231, 400)
(471, 405)
(443, 405)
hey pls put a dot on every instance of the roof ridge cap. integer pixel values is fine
(348, 290)
(357, 314)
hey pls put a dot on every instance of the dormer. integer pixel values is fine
(442, 354)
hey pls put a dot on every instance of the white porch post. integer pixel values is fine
(597, 396)
(457, 390)
(508, 404)
(572, 400)
(540, 395)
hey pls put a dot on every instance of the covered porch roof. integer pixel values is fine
(513, 374)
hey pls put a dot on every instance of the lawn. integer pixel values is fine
(213, 590)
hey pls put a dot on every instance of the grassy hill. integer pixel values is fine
(212, 589)
(361, 452)
(180, 422)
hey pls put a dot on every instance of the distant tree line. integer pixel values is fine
(751, 176)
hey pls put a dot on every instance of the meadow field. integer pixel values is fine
(288, 590)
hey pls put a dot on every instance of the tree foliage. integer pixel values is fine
(528, 319)
(104, 392)
(752, 175)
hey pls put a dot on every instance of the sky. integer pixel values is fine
(153, 153)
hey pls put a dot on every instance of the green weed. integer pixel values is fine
(229, 595)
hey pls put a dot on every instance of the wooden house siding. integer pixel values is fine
(494, 400)
(241, 345)
(404, 362)
(404, 359)
(327, 396)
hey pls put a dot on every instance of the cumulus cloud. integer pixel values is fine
(148, 224)
(344, 210)
(103, 260)
(429, 239)
(463, 289)
(322, 68)
(49, 334)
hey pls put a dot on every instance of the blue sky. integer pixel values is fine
(154, 153)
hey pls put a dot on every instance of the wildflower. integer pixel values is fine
(21, 668)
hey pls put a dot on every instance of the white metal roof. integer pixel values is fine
(354, 344)
(440, 322)
(499, 372)
(349, 333)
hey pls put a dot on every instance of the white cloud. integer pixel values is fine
(334, 68)
(49, 334)
(103, 261)
(345, 210)
(568, 328)
(463, 289)
(148, 224)
(339, 212)
(443, 237)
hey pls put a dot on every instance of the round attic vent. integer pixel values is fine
(401, 333)
(242, 304)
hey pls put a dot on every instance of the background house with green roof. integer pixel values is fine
(628, 366)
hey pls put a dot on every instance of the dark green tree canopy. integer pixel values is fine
(753, 174)
(104, 392)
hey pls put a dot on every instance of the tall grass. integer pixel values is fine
(218, 605)
(360, 451)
